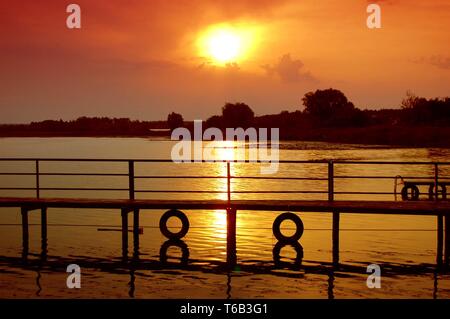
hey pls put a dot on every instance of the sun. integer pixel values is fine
(223, 44)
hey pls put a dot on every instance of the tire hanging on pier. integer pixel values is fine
(276, 228)
(414, 192)
(432, 191)
(184, 224)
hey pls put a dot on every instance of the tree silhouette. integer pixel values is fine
(174, 120)
(419, 110)
(330, 107)
(237, 115)
(215, 121)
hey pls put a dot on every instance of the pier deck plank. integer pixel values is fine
(347, 206)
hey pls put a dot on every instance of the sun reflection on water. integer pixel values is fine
(227, 151)
(219, 222)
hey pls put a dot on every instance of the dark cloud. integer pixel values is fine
(289, 70)
(438, 61)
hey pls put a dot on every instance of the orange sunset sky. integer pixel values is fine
(144, 59)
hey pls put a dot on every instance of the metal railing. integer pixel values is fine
(131, 176)
(329, 176)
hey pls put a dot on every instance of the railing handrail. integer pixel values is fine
(149, 160)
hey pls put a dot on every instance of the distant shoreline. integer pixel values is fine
(80, 135)
(328, 117)
(368, 137)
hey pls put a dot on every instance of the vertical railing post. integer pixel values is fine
(330, 180)
(436, 181)
(228, 182)
(37, 179)
(131, 179)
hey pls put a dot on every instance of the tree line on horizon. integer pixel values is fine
(327, 115)
(85, 126)
(330, 108)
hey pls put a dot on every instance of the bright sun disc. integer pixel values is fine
(224, 46)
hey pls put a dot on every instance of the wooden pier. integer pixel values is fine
(437, 207)
(336, 208)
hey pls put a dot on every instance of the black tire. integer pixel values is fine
(442, 188)
(277, 231)
(414, 192)
(174, 243)
(283, 264)
(184, 224)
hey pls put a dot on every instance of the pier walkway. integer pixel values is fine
(439, 207)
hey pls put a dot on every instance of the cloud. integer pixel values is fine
(438, 61)
(289, 70)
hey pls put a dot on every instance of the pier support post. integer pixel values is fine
(335, 237)
(447, 240)
(136, 233)
(44, 232)
(124, 234)
(231, 237)
(331, 284)
(440, 239)
(25, 234)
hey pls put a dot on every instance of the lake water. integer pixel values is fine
(404, 246)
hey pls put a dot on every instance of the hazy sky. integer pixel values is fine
(142, 59)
